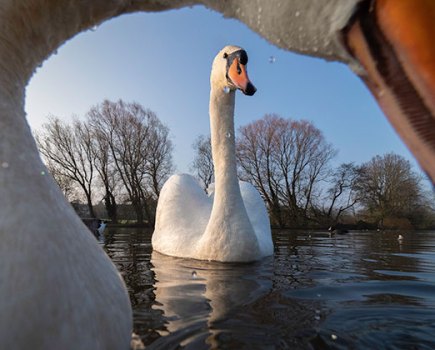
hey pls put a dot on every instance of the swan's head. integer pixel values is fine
(229, 71)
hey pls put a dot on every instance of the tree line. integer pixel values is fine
(289, 162)
(122, 153)
(120, 149)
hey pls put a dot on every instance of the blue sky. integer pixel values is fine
(163, 60)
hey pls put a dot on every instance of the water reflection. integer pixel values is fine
(361, 290)
(195, 296)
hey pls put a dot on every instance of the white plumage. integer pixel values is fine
(232, 223)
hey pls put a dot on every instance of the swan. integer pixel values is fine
(337, 230)
(231, 224)
(58, 288)
(101, 227)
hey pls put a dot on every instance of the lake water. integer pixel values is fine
(362, 290)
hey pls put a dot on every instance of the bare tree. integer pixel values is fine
(388, 187)
(285, 160)
(341, 195)
(256, 151)
(67, 149)
(106, 171)
(65, 183)
(203, 161)
(159, 162)
(140, 148)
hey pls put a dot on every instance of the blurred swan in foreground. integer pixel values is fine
(387, 43)
(232, 224)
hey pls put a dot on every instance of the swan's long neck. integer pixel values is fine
(229, 235)
(223, 145)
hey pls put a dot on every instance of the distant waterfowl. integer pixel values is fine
(232, 224)
(96, 226)
(101, 227)
(338, 231)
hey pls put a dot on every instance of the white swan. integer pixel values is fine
(232, 224)
(58, 289)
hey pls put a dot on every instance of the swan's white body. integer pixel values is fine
(231, 225)
(183, 198)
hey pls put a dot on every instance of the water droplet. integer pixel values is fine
(5, 165)
(194, 275)
(319, 295)
(228, 135)
(227, 89)
(42, 172)
(333, 337)
(297, 13)
(317, 318)
(94, 28)
(272, 59)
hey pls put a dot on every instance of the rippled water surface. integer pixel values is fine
(362, 290)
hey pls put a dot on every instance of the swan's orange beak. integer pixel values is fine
(395, 42)
(238, 75)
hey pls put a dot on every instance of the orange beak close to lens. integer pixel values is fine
(239, 77)
(394, 42)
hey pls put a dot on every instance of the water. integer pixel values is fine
(362, 290)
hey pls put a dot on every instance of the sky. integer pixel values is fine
(163, 61)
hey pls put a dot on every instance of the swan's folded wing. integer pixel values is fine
(258, 216)
(182, 215)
